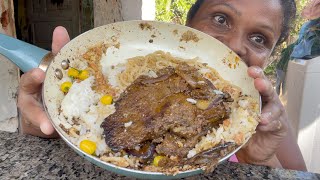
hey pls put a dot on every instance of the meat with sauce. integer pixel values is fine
(171, 111)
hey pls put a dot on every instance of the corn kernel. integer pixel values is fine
(73, 73)
(106, 100)
(84, 74)
(88, 146)
(65, 86)
(156, 160)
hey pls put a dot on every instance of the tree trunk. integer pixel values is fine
(9, 74)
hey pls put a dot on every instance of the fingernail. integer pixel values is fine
(46, 128)
(265, 117)
(257, 70)
(36, 75)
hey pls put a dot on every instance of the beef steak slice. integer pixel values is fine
(157, 109)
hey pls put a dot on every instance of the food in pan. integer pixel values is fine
(155, 113)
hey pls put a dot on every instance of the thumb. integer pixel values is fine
(31, 81)
(60, 38)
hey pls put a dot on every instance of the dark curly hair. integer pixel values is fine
(289, 14)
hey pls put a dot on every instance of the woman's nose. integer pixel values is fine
(236, 43)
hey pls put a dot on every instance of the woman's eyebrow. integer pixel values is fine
(228, 6)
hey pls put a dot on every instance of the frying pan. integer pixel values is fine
(134, 38)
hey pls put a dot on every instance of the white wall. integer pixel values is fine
(302, 103)
(148, 10)
(110, 11)
(138, 9)
(8, 90)
(106, 12)
(8, 76)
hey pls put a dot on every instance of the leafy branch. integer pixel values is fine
(173, 10)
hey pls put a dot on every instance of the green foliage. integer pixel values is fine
(299, 20)
(270, 70)
(285, 57)
(173, 10)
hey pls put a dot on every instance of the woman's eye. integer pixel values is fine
(221, 19)
(258, 39)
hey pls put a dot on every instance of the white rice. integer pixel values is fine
(82, 103)
(243, 103)
(152, 74)
(128, 124)
(192, 101)
(79, 99)
(242, 119)
(204, 70)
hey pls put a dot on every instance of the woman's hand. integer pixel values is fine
(272, 129)
(29, 98)
(312, 10)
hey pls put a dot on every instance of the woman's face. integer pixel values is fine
(251, 28)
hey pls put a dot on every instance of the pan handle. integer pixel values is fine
(22, 54)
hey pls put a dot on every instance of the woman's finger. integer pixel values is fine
(265, 89)
(31, 81)
(256, 72)
(270, 118)
(60, 38)
(33, 111)
(28, 100)
(270, 112)
(262, 84)
(273, 126)
(272, 108)
(35, 114)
